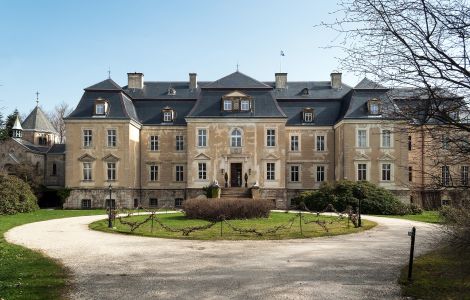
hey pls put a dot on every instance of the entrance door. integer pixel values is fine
(236, 175)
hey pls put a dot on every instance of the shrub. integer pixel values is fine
(217, 209)
(457, 224)
(15, 196)
(414, 209)
(344, 193)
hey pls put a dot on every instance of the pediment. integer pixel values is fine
(111, 158)
(235, 94)
(271, 156)
(201, 156)
(86, 158)
(387, 156)
(361, 156)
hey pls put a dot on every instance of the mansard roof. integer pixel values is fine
(330, 104)
(105, 85)
(236, 80)
(37, 121)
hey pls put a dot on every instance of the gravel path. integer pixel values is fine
(113, 266)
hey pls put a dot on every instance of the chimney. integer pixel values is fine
(336, 80)
(135, 80)
(192, 81)
(281, 80)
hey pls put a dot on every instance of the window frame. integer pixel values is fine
(384, 135)
(179, 143)
(153, 202)
(270, 171)
(83, 206)
(87, 138)
(154, 172)
(238, 139)
(359, 144)
(202, 171)
(87, 173)
(445, 176)
(320, 175)
(228, 105)
(464, 176)
(270, 137)
(294, 175)
(111, 171)
(179, 173)
(154, 143)
(111, 138)
(361, 173)
(202, 137)
(386, 172)
(294, 143)
(242, 102)
(320, 140)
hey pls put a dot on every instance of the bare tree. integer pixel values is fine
(422, 45)
(57, 119)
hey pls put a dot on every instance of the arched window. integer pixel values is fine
(54, 169)
(236, 138)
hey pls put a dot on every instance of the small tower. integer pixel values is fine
(17, 130)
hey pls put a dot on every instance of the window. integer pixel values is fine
(245, 105)
(374, 106)
(227, 104)
(445, 175)
(87, 138)
(202, 171)
(236, 138)
(167, 116)
(178, 202)
(410, 174)
(308, 114)
(153, 202)
(320, 143)
(409, 143)
(320, 173)
(153, 173)
(386, 139)
(42, 140)
(112, 138)
(111, 171)
(179, 173)
(445, 142)
(271, 137)
(54, 169)
(270, 171)
(100, 108)
(294, 173)
(154, 145)
(308, 117)
(202, 137)
(294, 143)
(136, 203)
(87, 171)
(362, 138)
(179, 143)
(464, 175)
(86, 203)
(386, 172)
(362, 172)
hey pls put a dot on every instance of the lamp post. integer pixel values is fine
(110, 222)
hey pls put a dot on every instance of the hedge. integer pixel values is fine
(16, 196)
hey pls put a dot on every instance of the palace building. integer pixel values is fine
(159, 143)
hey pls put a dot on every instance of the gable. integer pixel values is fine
(235, 94)
(201, 156)
(86, 158)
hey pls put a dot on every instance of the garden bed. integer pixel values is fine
(278, 226)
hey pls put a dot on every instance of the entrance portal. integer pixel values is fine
(236, 175)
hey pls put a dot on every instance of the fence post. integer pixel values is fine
(412, 234)
(153, 216)
(300, 223)
(221, 224)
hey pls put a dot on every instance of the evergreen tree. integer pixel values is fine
(3, 133)
(10, 122)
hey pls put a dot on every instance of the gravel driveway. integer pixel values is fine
(113, 266)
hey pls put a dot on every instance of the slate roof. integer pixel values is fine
(57, 149)
(264, 105)
(105, 85)
(38, 121)
(236, 80)
(31, 146)
(145, 105)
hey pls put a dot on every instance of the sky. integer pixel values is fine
(61, 47)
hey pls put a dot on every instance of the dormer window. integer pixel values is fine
(171, 91)
(236, 101)
(308, 115)
(373, 106)
(304, 92)
(168, 114)
(228, 105)
(101, 107)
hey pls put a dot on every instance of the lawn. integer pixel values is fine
(26, 274)
(441, 274)
(428, 216)
(178, 220)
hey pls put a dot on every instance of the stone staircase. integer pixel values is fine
(235, 193)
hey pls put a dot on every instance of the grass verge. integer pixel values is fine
(428, 216)
(178, 220)
(440, 274)
(26, 274)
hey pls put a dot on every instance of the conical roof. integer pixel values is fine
(37, 121)
(17, 125)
